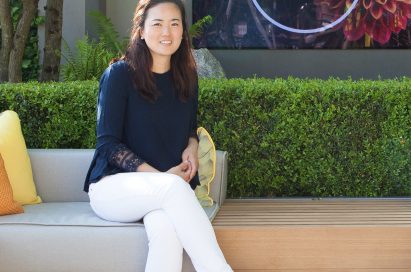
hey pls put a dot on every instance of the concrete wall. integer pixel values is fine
(93, 5)
(121, 15)
(368, 64)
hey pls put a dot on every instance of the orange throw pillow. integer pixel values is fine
(7, 204)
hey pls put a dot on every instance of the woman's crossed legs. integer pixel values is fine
(172, 215)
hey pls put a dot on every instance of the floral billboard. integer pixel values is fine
(296, 24)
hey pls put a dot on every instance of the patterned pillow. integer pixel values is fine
(206, 169)
(7, 204)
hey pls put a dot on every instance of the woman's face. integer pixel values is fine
(163, 30)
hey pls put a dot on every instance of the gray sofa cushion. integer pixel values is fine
(35, 248)
(70, 214)
(59, 174)
(60, 214)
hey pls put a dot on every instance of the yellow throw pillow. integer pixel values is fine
(7, 204)
(206, 169)
(16, 159)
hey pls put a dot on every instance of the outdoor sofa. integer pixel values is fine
(64, 234)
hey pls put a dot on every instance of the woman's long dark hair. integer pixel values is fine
(138, 56)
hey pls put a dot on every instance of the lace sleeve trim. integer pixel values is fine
(125, 159)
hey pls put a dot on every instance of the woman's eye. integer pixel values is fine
(156, 24)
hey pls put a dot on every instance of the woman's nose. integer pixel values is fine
(165, 30)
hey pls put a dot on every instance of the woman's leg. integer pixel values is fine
(165, 251)
(128, 197)
(194, 229)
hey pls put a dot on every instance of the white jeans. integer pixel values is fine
(173, 218)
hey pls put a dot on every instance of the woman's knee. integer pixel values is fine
(178, 185)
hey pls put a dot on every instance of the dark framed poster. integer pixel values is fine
(304, 24)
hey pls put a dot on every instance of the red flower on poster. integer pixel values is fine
(376, 18)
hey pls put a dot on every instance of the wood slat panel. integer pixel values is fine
(314, 212)
(305, 235)
(316, 247)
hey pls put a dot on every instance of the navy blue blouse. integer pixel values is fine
(131, 130)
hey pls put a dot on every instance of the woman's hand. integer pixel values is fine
(191, 154)
(183, 170)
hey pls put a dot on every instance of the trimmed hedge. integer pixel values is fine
(293, 137)
(54, 115)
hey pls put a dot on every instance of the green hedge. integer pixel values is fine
(54, 115)
(289, 137)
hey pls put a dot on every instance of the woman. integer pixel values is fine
(145, 162)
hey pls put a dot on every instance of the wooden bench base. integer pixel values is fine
(367, 235)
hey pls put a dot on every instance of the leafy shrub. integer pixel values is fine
(196, 29)
(289, 137)
(89, 61)
(54, 115)
(311, 137)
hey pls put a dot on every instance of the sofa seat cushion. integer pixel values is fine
(70, 214)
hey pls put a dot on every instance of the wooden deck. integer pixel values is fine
(296, 235)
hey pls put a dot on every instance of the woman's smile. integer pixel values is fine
(166, 42)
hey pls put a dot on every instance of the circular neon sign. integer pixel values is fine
(306, 31)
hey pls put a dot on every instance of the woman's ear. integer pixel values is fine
(142, 34)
